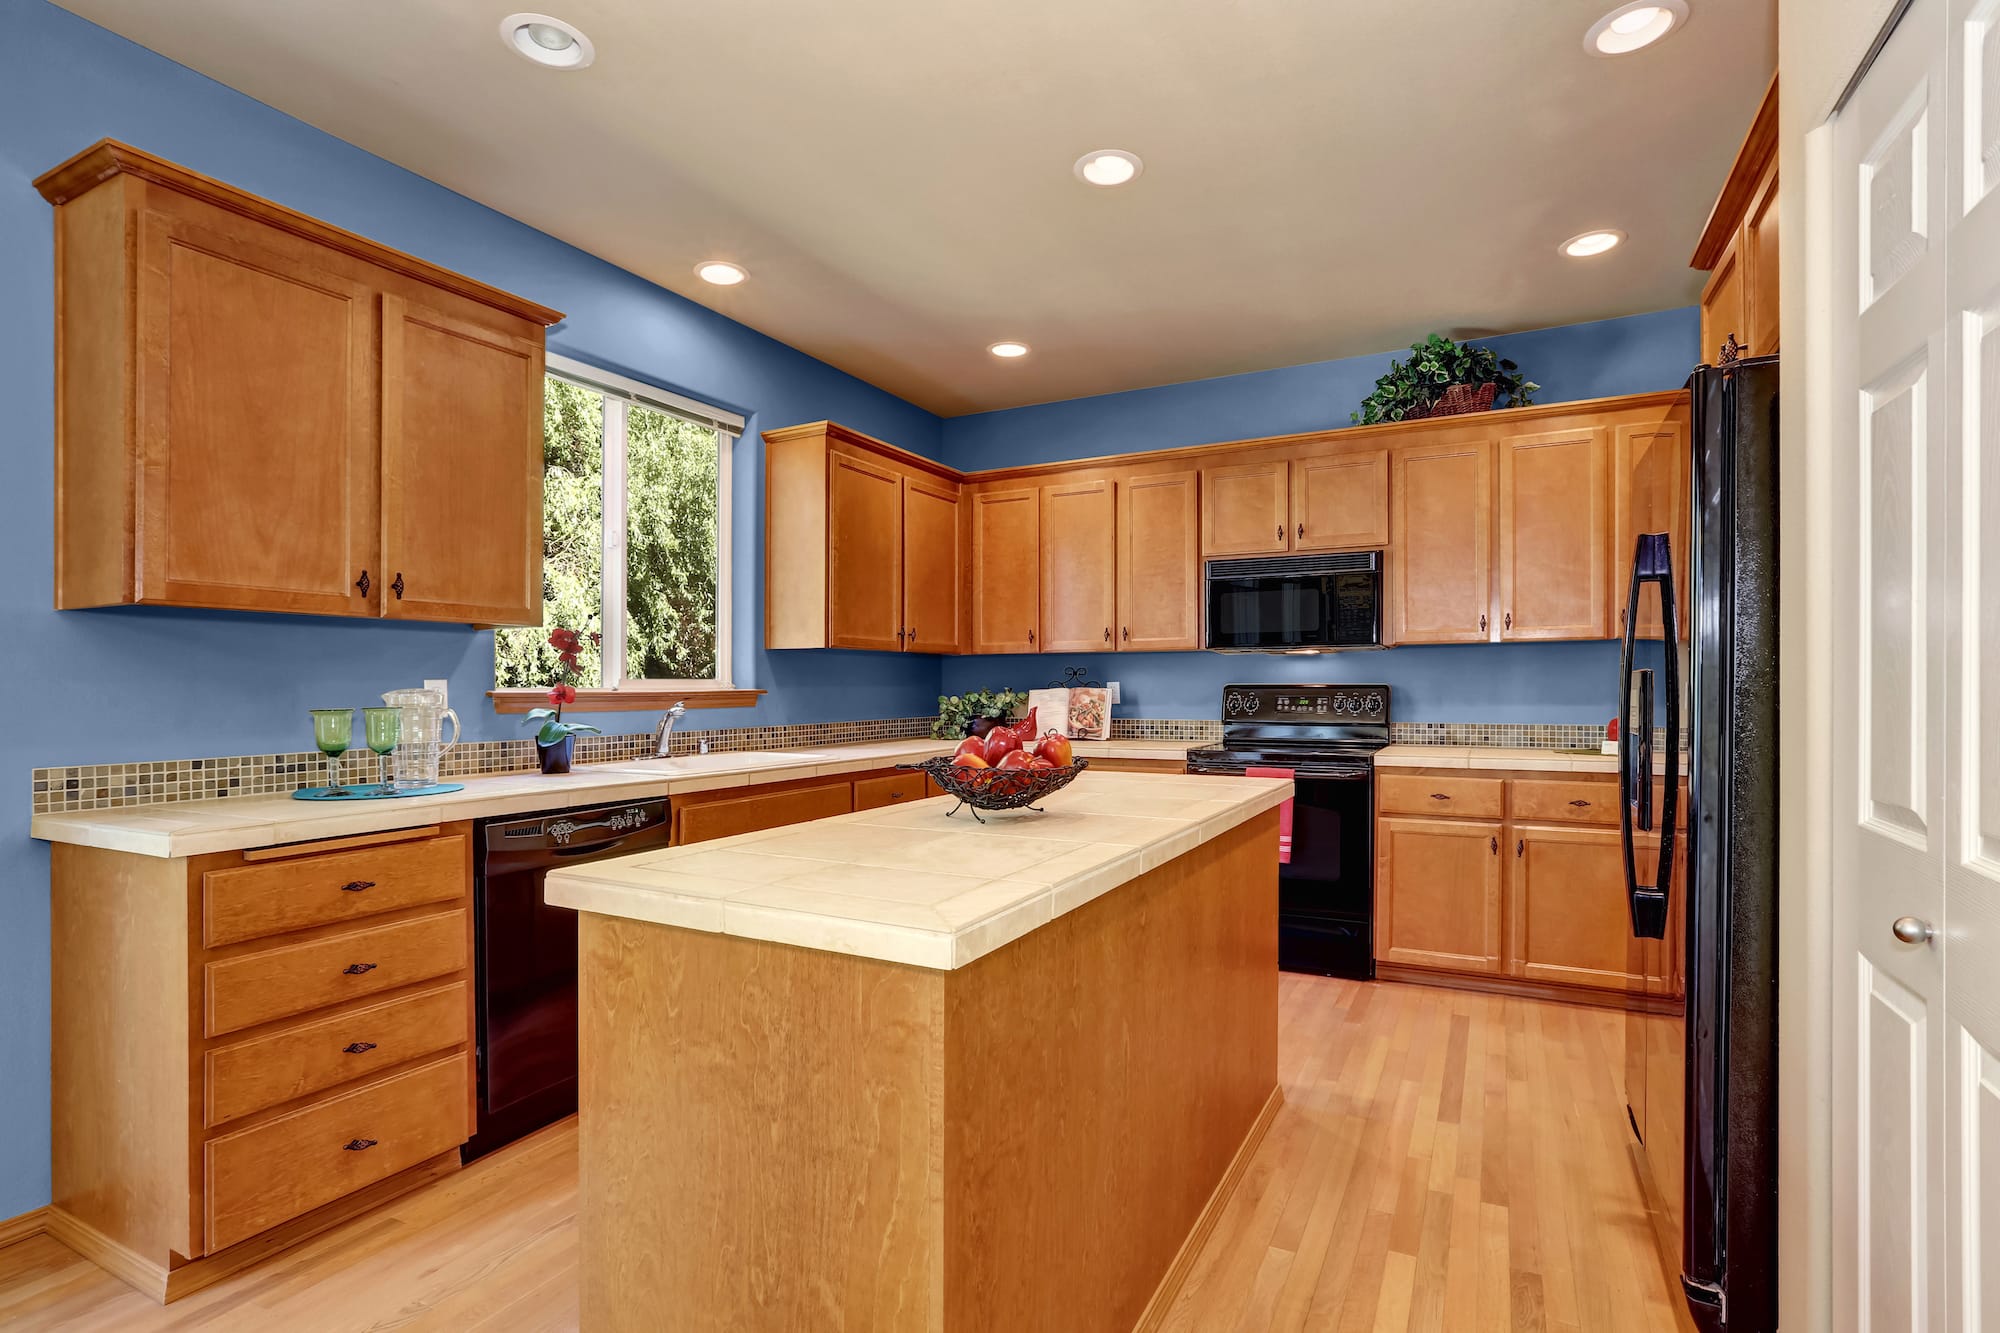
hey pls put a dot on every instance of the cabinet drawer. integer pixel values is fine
(270, 898)
(1555, 801)
(874, 793)
(273, 983)
(273, 1172)
(327, 1052)
(752, 814)
(1446, 797)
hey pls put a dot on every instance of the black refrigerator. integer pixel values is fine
(1702, 1082)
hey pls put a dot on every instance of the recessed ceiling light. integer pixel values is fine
(1008, 349)
(1108, 166)
(1631, 26)
(1591, 243)
(546, 41)
(720, 272)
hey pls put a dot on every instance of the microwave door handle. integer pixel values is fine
(1651, 563)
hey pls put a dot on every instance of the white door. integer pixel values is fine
(1916, 369)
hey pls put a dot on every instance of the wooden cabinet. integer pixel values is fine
(862, 544)
(893, 789)
(1441, 572)
(1159, 563)
(1006, 564)
(727, 816)
(1738, 248)
(1649, 472)
(1246, 509)
(1571, 921)
(1079, 558)
(1341, 501)
(1437, 894)
(250, 1047)
(1554, 505)
(261, 412)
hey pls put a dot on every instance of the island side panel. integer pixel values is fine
(759, 1135)
(1101, 1075)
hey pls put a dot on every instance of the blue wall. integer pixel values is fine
(1556, 682)
(133, 684)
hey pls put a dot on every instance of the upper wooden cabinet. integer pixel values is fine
(862, 544)
(261, 412)
(1006, 564)
(1554, 504)
(1246, 509)
(1649, 473)
(1341, 501)
(1079, 555)
(1739, 246)
(1159, 562)
(1441, 571)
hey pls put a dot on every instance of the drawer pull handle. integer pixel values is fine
(358, 1047)
(360, 1145)
(1439, 796)
(1581, 804)
(1495, 842)
(356, 969)
(357, 885)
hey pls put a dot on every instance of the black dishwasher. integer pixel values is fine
(525, 968)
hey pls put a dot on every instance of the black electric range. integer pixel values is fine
(1327, 735)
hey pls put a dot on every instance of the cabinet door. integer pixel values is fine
(255, 417)
(1759, 247)
(1571, 919)
(1079, 566)
(707, 820)
(1649, 494)
(1006, 565)
(933, 565)
(1722, 304)
(461, 468)
(1441, 565)
(1159, 563)
(1555, 559)
(1245, 509)
(864, 553)
(1437, 894)
(1341, 501)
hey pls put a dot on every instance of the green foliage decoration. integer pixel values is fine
(1435, 364)
(956, 710)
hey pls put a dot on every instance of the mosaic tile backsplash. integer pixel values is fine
(111, 786)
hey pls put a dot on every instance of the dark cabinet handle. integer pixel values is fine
(360, 1145)
(1509, 622)
(1621, 619)
(1482, 624)
(1495, 841)
(899, 638)
(1107, 634)
(1031, 636)
(1302, 532)
(1281, 532)
(1126, 633)
(1439, 796)
(358, 1047)
(1520, 846)
(397, 586)
(357, 885)
(356, 969)
(362, 583)
(913, 636)
(1581, 804)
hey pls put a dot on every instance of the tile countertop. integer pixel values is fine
(913, 884)
(1525, 759)
(193, 828)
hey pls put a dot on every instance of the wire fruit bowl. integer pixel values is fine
(997, 788)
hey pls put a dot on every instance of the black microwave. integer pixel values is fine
(1295, 603)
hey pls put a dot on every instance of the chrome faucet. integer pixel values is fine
(664, 733)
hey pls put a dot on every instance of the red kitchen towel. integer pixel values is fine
(1284, 811)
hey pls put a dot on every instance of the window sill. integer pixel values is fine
(632, 699)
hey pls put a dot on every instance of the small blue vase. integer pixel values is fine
(555, 758)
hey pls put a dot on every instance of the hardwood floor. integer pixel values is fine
(1444, 1161)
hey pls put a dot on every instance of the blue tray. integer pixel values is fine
(368, 791)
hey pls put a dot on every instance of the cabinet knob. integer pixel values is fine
(1520, 846)
(397, 586)
(358, 1047)
(1581, 804)
(359, 1145)
(1107, 634)
(357, 885)
(1508, 623)
(1281, 532)
(362, 583)
(1031, 636)
(1482, 624)
(1302, 532)
(1126, 633)
(1439, 796)
(1621, 619)
(1494, 842)
(899, 638)
(356, 969)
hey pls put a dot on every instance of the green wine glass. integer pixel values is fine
(384, 727)
(333, 731)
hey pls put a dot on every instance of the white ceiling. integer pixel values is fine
(1323, 177)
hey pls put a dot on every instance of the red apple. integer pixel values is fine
(1016, 759)
(999, 742)
(965, 763)
(1041, 762)
(1057, 750)
(969, 746)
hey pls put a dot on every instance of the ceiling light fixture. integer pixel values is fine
(1631, 26)
(1108, 166)
(547, 41)
(720, 272)
(1009, 349)
(1591, 243)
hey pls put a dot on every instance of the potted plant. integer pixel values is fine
(1443, 378)
(975, 712)
(555, 740)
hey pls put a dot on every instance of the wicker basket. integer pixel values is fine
(997, 788)
(1458, 399)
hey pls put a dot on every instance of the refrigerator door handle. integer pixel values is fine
(1652, 562)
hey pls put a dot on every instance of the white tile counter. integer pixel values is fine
(1521, 758)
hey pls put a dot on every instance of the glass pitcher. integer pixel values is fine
(420, 745)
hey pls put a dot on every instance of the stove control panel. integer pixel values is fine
(1306, 703)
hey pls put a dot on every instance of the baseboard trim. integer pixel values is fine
(1530, 990)
(31, 1223)
(1155, 1313)
(128, 1266)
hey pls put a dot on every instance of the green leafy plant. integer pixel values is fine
(1435, 364)
(957, 712)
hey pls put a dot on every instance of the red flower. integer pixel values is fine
(564, 641)
(562, 694)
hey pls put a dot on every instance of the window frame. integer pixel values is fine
(615, 690)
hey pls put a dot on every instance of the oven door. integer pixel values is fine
(1326, 894)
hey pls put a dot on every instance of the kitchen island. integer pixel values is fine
(899, 1070)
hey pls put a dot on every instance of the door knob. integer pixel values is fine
(1913, 930)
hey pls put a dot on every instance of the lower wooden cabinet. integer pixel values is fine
(1571, 920)
(1437, 894)
(706, 816)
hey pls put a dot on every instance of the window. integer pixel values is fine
(635, 539)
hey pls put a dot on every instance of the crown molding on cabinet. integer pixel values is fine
(1758, 149)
